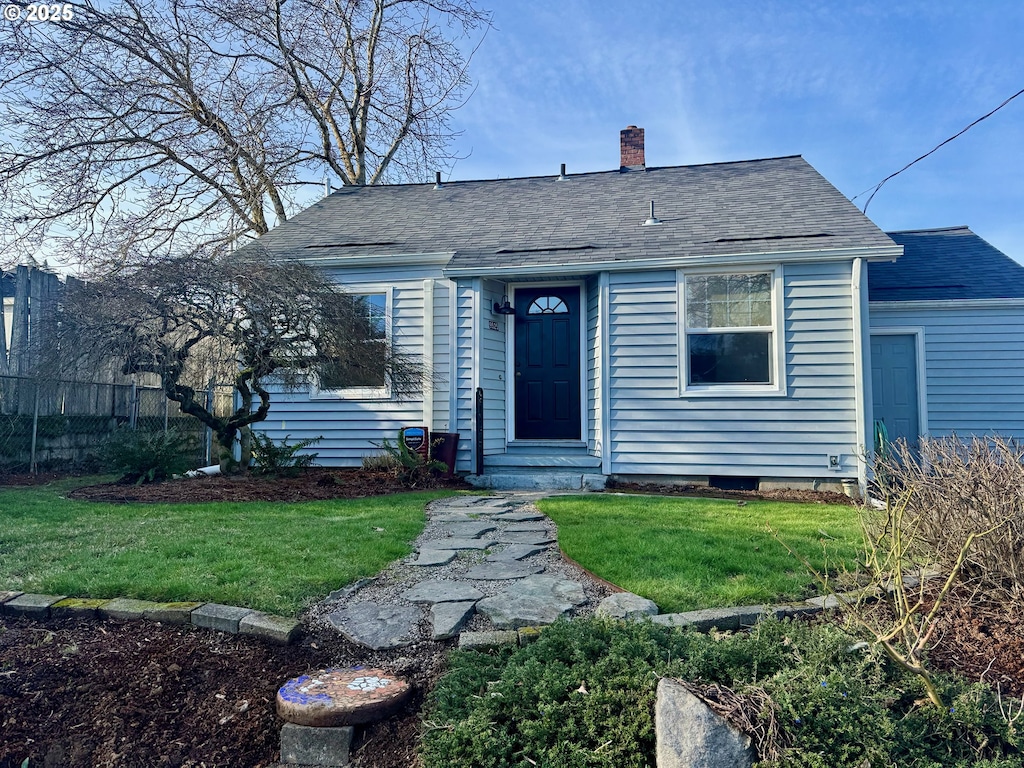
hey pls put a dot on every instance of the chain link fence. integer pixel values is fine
(49, 424)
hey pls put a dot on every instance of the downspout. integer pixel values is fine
(604, 371)
(474, 357)
(862, 363)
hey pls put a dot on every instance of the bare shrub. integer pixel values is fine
(960, 488)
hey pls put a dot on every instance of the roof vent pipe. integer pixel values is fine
(561, 174)
(651, 221)
(437, 179)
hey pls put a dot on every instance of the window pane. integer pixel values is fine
(376, 313)
(730, 358)
(363, 368)
(728, 301)
(362, 362)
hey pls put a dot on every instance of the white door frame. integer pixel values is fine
(922, 381)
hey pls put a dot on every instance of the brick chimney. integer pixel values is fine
(631, 148)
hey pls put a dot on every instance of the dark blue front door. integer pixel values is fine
(547, 363)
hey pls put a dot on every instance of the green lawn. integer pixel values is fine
(275, 557)
(688, 553)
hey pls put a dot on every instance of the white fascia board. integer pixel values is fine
(381, 259)
(717, 260)
(948, 304)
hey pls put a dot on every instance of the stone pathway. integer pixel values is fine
(482, 563)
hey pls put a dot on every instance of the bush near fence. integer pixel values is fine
(47, 424)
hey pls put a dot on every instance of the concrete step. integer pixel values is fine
(510, 479)
(553, 460)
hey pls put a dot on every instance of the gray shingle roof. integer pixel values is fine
(945, 264)
(758, 206)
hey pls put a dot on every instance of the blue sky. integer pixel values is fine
(858, 88)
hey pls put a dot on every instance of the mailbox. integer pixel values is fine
(417, 440)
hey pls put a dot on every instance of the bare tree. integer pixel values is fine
(141, 128)
(265, 326)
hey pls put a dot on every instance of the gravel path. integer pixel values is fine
(448, 522)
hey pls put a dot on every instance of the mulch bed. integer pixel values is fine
(87, 693)
(707, 492)
(142, 694)
(307, 485)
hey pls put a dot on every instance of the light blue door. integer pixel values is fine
(894, 385)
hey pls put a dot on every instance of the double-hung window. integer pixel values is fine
(729, 332)
(362, 372)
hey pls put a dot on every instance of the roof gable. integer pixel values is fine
(945, 264)
(752, 207)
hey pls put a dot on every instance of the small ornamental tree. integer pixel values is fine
(264, 326)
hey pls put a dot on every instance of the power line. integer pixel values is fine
(874, 190)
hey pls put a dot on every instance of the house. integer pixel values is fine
(947, 337)
(722, 323)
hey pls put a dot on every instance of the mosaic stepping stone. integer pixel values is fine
(429, 557)
(502, 570)
(377, 626)
(518, 517)
(515, 552)
(437, 591)
(470, 530)
(336, 697)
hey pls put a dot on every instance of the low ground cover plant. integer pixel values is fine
(271, 556)
(582, 696)
(691, 553)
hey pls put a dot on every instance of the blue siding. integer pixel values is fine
(352, 428)
(974, 364)
(654, 430)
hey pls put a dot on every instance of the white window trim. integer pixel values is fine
(777, 353)
(361, 393)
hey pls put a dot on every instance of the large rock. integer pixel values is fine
(377, 626)
(690, 735)
(535, 600)
(626, 605)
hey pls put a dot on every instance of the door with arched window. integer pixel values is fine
(547, 363)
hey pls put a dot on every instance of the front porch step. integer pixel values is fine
(537, 479)
(535, 460)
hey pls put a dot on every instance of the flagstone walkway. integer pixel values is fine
(482, 563)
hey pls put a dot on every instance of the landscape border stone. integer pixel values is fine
(276, 629)
(224, 618)
(77, 608)
(172, 613)
(31, 605)
(126, 608)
